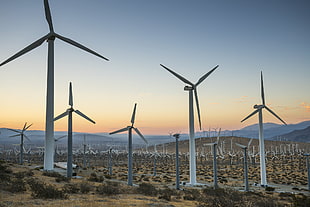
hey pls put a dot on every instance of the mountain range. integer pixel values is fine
(293, 132)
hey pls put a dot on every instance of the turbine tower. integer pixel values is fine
(22, 134)
(259, 110)
(69, 112)
(129, 129)
(49, 124)
(190, 87)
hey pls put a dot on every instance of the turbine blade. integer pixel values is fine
(240, 145)
(27, 127)
(24, 126)
(27, 138)
(206, 75)
(84, 116)
(275, 115)
(26, 49)
(254, 112)
(250, 142)
(76, 44)
(198, 109)
(262, 88)
(61, 115)
(210, 144)
(56, 139)
(218, 136)
(70, 95)
(178, 76)
(139, 133)
(48, 15)
(119, 131)
(16, 135)
(133, 115)
(14, 130)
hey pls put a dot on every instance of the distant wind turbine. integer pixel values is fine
(190, 87)
(259, 110)
(22, 135)
(68, 113)
(214, 145)
(129, 129)
(49, 124)
(245, 164)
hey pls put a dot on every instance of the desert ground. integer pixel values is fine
(154, 177)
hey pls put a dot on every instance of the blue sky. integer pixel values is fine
(190, 37)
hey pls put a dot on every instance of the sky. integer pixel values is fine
(190, 37)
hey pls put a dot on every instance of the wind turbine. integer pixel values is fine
(245, 165)
(22, 134)
(259, 110)
(68, 113)
(214, 145)
(49, 124)
(129, 129)
(190, 87)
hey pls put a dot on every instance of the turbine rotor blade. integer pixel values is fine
(16, 135)
(218, 136)
(178, 76)
(70, 95)
(119, 131)
(24, 126)
(139, 133)
(27, 138)
(84, 116)
(76, 44)
(275, 115)
(27, 127)
(14, 130)
(61, 115)
(240, 145)
(26, 49)
(262, 88)
(56, 139)
(48, 15)
(250, 142)
(206, 75)
(198, 109)
(254, 112)
(133, 114)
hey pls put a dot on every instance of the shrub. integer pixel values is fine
(191, 194)
(85, 187)
(167, 193)
(71, 188)
(94, 178)
(44, 191)
(110, 188)
(147, 189)
(16, 186)
(23, 174)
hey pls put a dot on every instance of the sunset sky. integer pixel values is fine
(190, 37)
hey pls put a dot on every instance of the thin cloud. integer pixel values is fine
(305, 106)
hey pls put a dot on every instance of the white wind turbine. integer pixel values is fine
(49, 124)
(22, 135)
(129, 129)
(259, 110)
(190, 87)
(68, 113)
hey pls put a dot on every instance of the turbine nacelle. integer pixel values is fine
(256, 106)
(188, 88)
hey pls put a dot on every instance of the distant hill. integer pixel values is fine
(271, 130)
(302, 135)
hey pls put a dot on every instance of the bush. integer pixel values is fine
(94, 178)
(147, 189)
(23, 174)
(167, 193)
(16, 186)
(44, 191)
(110, 188)
(85, 187)
(191, 194)
(71, 188)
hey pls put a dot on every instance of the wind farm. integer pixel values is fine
(252, 163)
